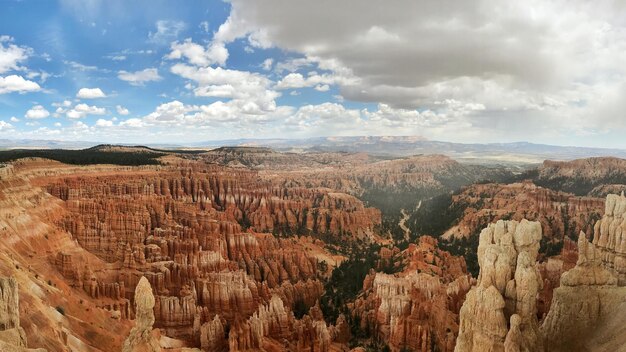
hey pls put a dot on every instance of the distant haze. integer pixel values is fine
(494, 153)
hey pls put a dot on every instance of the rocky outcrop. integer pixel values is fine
(10, 330)
(415, 309)
(141, 337)
(506, 290)
(212, 335)
(274, 325)
(12, 336)
(610, 237)
(560, 214)
(588, 308)
(582, 175)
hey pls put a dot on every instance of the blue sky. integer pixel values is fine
(175, 72)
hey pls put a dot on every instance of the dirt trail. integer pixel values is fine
(405, 217)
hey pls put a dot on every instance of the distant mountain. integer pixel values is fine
(382, 146)
(43, 144)
(506, 153)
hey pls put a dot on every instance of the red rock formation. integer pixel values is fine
(556, 211)
(141, 337)
(416, 309)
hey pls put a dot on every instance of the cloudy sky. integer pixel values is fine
(173, 72)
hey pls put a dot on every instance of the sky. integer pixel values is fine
(120, 71)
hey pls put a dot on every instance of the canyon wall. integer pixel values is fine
(560, 214)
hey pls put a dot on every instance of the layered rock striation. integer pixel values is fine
(560, 214)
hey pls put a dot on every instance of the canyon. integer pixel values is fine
(244, 250)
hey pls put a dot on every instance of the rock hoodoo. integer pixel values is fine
(416, 309)
(588, 308)
(12, 336)
(141, 337)
(10, 330)
(610, 236)
(506, 291)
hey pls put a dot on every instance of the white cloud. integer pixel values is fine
(80, 67)
(322, 87)
(11, 55)
(251, 91)
(14, 119)
(204, 25)
(118, 57)
(121, 110)
(139, 78)
(14, 83)
(57, 124)
(64, 103)
(5, 126)
(133, 123)
(43, 75)
(166, 31)
(104, 123)
(82, 110)
(267, 64)
(297, 80)
(198, 55)
(519, 60)
(37, 112)
(90, 93)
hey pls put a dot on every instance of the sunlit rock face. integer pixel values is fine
(141, 337)
(10, 331)
(588, 308)
(506, 291)
(610, 237)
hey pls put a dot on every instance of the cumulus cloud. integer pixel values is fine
(139, 78)
(90, 93)
(14, 83)
(121, 110)
(517, 59)
(104, 123)
(251, 91)
(14, 119)
(133, 123)
(196, 54)
(267, 64)
(297, 80)
(322, 87)
(82, 110)
(64, 103)
(5, 126)
(12, 55)
(37, 112)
